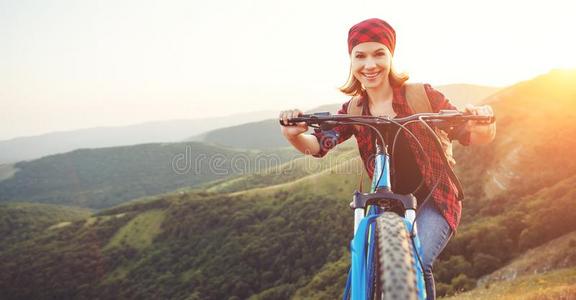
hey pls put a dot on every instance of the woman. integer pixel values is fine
(381, 92)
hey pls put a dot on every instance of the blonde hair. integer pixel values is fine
(353, 87)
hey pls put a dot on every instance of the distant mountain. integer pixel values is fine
(257, 135)
(462, 94)
(26, 148)
(266, 134)
(104, 177)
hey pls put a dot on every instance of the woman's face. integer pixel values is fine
(370, 64)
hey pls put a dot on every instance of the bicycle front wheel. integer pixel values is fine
(397, 277)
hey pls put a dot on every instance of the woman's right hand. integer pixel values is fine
(291, 131)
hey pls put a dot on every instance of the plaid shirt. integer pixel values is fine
(445, 196)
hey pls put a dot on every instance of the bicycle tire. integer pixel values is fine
(395, 259)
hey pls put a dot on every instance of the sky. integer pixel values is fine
(71, 64)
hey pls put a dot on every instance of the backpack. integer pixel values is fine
(419, 103)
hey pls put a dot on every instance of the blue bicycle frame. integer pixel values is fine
(361, 276)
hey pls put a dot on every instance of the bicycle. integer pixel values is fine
(385, 249)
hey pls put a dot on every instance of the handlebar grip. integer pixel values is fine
(293, 121)
(303, 118)
(486, 119)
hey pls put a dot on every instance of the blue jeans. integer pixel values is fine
(434, 233)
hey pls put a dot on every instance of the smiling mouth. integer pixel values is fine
(373, 75)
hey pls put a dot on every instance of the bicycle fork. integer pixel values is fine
(380, 181)
(363, 241)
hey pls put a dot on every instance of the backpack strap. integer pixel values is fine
(417, 98)
(356, 110)
(353, 108)
(420, 103)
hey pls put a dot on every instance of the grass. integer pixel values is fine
(340, 179)
(556, 254)
(121, 272)
(59, 225)
(285, 173)
(328, 283)
(140, 232)
(559, 284)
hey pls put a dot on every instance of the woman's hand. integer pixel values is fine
(482, 132)
(291, 131)
(481, 110)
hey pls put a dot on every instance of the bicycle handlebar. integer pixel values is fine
(452, 121)
(445, 117)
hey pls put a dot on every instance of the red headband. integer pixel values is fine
(372, 30)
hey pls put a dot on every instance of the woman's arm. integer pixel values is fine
(479, 133)
(318, 143)
(305, 143)
(296, 134)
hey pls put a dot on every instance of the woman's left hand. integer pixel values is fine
(482, 132)
(481, 110)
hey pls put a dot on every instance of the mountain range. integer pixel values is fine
(283, 232)
(104, 177)
(31, 147)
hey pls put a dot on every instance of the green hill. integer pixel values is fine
(558, 253)
(557, 284)
(22, 221)
(544, 272)
(100, 178)
(244, 137)
(261, 241)
(485, 244)
(519, 187)
(287, 172)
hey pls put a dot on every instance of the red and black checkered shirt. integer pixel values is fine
(445, 196)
